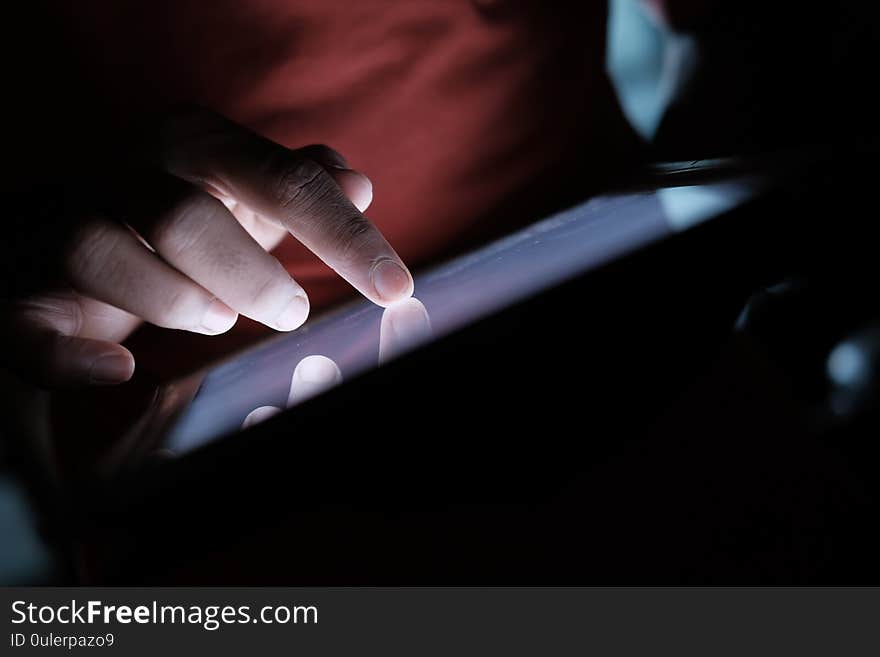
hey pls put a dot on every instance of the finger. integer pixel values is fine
(106, 261)
(267, 234)
(101, 321)
(197, 234)
(44, 336)
(405, 325)
(325, 156)
(312, 376)
(292, 190)
(355, 185)
(259, 414)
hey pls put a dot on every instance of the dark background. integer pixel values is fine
(655, 444)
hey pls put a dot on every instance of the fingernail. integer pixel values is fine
(218, 318)
(113, 368)
(391, 281)
(294, 314)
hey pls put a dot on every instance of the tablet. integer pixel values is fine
(338, 346)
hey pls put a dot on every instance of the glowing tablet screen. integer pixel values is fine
(332, 348)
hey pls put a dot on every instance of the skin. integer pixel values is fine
(195, 254)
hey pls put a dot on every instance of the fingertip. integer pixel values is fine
(67, 361)
(294, 314)
(218, 318)
(112, 368)
(391, 281)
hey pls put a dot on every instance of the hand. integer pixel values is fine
(404, 326)
(184, 246)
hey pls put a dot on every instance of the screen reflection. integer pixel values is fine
(403, 327)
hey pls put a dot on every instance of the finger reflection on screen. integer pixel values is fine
(312, 376)
(258, 415)
(458, 293)
(405, 325)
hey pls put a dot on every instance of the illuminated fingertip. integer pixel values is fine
(391, 281)
(218, 318)
(294, 314)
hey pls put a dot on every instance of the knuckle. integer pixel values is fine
(59, 312)
(296, 182)
(89, 253)
(184, 226)
(323, 154)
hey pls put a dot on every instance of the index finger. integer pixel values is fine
(290, 189)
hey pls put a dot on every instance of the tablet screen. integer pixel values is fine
(335, 347)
